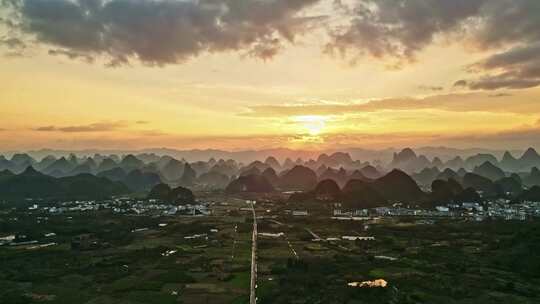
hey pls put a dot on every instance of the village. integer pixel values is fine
(42, 211)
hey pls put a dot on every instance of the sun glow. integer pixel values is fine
(312, 124)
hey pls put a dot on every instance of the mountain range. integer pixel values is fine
(482, 172)
(33, 184)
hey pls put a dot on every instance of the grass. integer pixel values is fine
(241, 280)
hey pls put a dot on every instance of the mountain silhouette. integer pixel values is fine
(327, 190)
(172, 170)
(130, 162)
(273, 163)
(509, 162)
(532, 194)
(179, 195)
(533, 178)
(189, 176)
(479, 159)
(426, 176)
(489, 170)
(359, 194)
(482, 184)
(510, 186)
(445, 191)
(339, 176)
(117, 174)
(107, 164)
(530, 157)
(398, 186)
(250, 183)
(137, 180)
(33, 184)
(271, 176)
(213, 180)
(357, 174)
(59, 168)
(298, 178)
(370, 172)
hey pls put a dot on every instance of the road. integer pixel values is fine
(235, 240)
(253, 288)
(292, 248)
(315, 236)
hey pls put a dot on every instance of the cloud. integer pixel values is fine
(514, 138)
(95, 127)
(384, 28)
(464, 102)
(46, 129)
(399, 30)
(516, 68)
(13, 43)
(505, 81)
(499, 95)
(161, 32)
(430, 88)
(71, 55)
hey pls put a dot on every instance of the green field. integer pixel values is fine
(448, 262)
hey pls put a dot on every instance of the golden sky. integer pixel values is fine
(286, 75)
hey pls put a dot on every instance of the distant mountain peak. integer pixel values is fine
(397, 173)
(30, 171)
(530, 154)
(405, 155)
(487, 164)
(508, 156)
(272, 162)
(21, 158)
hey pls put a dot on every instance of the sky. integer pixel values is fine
(257, 74)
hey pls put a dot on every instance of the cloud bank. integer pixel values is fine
(464, 102)
(94, 127)
(160, 32)
(400, 29)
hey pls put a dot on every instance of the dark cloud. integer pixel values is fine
(506, 22)
(399, 29)
(46, 129)
(162, 32)
(504, 81)
(499, 95)
(516, 68)
(95, 127)
(13, 43)
(430, 88)
(460, 83)
(71, 55)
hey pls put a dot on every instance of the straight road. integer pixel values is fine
(253, 288)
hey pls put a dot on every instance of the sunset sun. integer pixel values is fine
(312, 124)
